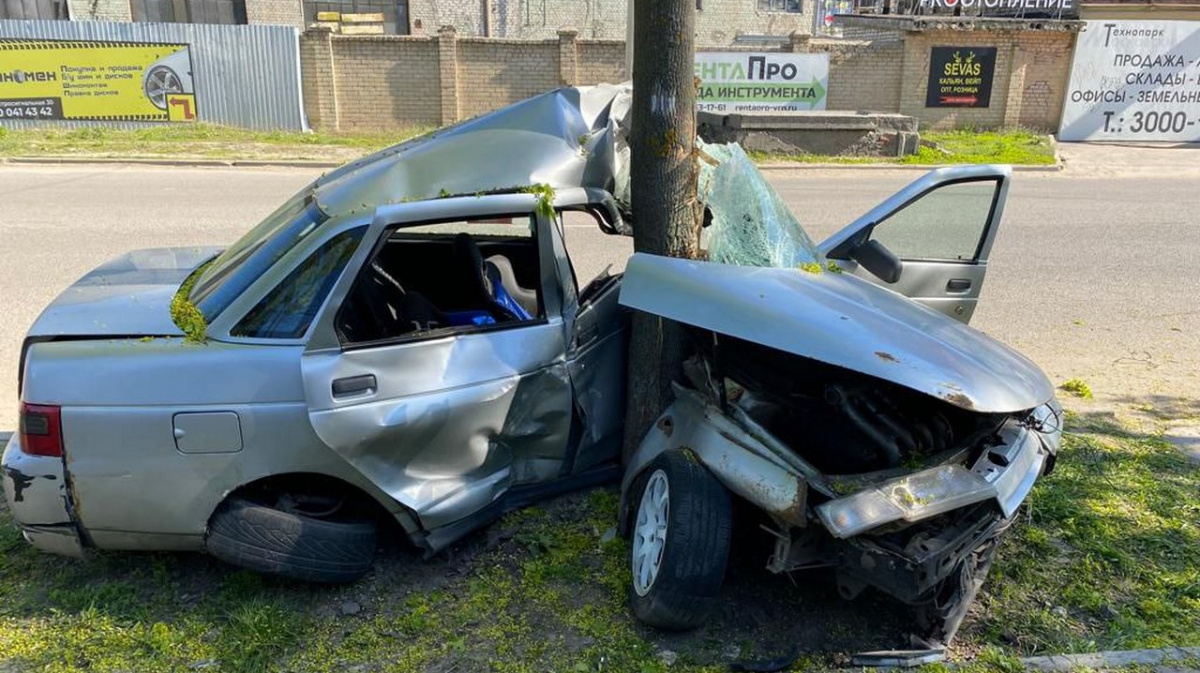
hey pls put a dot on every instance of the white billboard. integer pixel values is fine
(761, 82)
(1134, 80)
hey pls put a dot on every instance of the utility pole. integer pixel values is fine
(663, 176)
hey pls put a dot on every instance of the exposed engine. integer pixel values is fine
(840, 421)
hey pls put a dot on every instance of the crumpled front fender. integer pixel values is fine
(745, 465)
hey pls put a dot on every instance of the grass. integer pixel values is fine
(1018, 147)
(208, 141)
(984, 147)
(1104, 559)
(1077, 388)
(1107, 557)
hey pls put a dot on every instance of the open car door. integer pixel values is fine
(930, 241)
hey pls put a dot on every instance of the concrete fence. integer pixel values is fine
(382, 82)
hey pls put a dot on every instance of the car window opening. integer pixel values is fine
(455, 276)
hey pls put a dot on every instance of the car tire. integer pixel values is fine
(678, 568)
(291, 545)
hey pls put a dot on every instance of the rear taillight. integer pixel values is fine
(41, 430)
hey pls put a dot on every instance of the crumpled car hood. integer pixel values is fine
(568, 137)
(126, 296)
(843, 321)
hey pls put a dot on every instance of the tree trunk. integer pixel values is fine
(663, 192)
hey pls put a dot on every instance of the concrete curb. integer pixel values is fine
(143, 161)
(1114, 659)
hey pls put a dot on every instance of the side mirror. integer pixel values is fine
(877, 259)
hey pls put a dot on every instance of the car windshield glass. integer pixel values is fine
(251, 256)
(751, 225)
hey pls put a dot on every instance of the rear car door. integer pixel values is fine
(931, 240)
(444, 417)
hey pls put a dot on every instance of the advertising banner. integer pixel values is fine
(961, 77)
(96, 81)
(1134, 80)
(761, 82)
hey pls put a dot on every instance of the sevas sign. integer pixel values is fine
(961, 77)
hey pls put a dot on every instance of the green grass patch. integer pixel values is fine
(1103, 558)
(984, 147)
(1077, 388)
(196, 141)
(1106, 558)
(1018, 147)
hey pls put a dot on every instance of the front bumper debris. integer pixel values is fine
(1004, 473)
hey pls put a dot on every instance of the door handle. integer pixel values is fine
(354, 385)
(958, 285)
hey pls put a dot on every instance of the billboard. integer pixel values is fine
(96, 81)
(1134, 80)
(761, 82)
(960, 76)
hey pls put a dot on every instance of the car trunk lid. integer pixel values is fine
(126, 296)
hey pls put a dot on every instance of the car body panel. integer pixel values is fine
(453, 422)
(571, 137)
(128, 295)
(843, 321)
(949, 286)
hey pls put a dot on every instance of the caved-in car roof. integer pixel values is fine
(569, 137)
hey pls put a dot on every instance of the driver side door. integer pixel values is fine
(931, 240)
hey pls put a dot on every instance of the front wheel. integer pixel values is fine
(683, 520)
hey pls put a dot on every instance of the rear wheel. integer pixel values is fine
(680, 547)
(320, 540)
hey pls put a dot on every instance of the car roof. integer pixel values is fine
(565, 138)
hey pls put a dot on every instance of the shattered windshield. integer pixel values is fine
(751, 226)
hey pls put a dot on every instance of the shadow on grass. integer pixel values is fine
(538, 590)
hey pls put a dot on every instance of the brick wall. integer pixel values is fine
(100, 10)
(863, 75)
(380, 82)
(502, 71)
(602, 61)
(1028, 86)
(387, 82)
(275, 12)
(426, 17)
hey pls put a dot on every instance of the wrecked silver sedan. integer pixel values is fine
(405, 339)
(837, 389)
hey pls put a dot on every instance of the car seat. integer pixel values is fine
(526, 297)
(485, 283)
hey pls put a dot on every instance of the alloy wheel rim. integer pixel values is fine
(650, 532)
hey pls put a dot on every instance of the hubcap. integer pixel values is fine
(650, 533)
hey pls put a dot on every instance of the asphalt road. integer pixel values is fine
(1096, 272)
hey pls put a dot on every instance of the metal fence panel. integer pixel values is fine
(246, 76)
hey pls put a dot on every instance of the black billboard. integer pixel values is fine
(961, 77)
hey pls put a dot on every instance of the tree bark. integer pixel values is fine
(663, 191)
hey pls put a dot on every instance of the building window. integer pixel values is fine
(786, 6)
(231, 12)
(359, 17)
